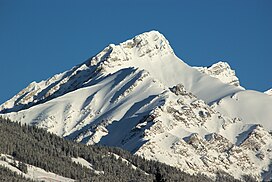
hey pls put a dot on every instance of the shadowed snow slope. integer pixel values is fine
(140, 96)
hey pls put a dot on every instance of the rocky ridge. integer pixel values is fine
(222, 71)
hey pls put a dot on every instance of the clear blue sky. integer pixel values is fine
(41, 38)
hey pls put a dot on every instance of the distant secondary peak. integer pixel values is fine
(222, 71)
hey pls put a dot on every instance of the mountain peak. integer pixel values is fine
(148, 43)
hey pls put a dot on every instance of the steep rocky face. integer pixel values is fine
(221, 71)
(139, 96)
(184, 133)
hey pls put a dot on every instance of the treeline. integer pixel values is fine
(37, 147)
(10, 176)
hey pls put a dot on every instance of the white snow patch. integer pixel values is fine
(85, 163)
(34, 173)
(127, 162)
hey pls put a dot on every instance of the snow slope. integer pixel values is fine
(85, 163)
(128, 163)
(33, 172)
(251, 106)
(140, 96)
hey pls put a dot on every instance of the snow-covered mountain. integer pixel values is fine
(140, 96)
